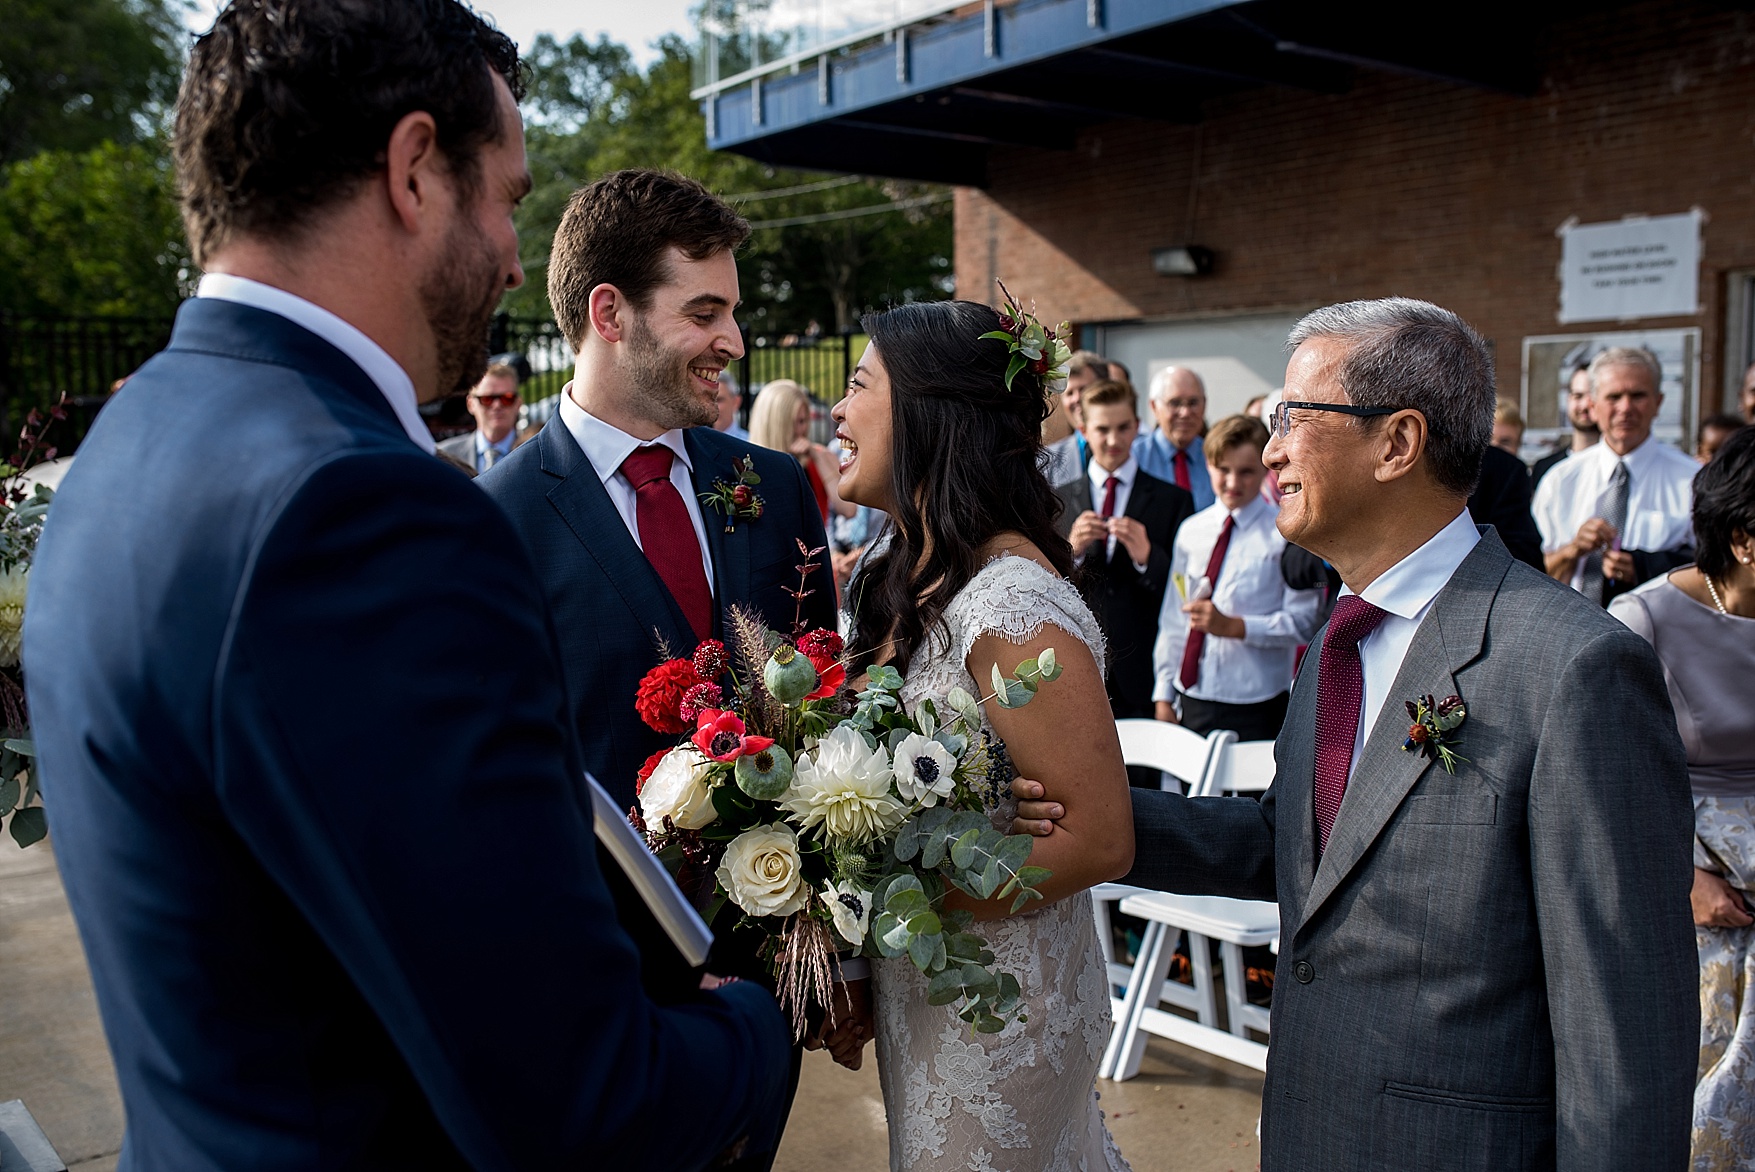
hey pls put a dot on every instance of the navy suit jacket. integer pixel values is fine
(314, 793)
(614, 615)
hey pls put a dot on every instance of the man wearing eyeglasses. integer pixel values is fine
(494, 403)
(1485, 950)
(1174, 452)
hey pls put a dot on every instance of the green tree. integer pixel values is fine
(75, 73)
(820, 252)
(92, 232)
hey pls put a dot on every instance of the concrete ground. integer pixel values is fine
(1187, 1111)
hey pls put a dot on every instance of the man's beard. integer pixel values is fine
(663, 382)
(459, 298)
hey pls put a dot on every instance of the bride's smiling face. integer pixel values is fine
(863, 425)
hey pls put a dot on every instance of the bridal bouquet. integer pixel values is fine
(23, 509)
(834, 820)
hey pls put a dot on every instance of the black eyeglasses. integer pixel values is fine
(1280, 419)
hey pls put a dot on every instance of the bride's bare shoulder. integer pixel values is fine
(1017, 545)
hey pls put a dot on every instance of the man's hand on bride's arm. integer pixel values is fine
(1037, 813)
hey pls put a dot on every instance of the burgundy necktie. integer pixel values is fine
(1197, 640)
(668, 536)
(1109, 495)
(1182, 480)
(1340, 690)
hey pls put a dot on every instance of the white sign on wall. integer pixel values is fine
(1642, 266)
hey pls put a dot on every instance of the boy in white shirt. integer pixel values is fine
(1230, 625)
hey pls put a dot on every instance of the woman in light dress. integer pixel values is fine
(1701, 621)
(974, 576)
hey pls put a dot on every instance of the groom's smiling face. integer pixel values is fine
(1324, 465)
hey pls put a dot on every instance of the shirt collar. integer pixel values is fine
(606, 445)
(384, 371)
(1124, 474)
(505, 444)
(1407, 588)
(1637, 461)
(1258, 509)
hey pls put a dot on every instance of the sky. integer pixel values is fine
(635, 23)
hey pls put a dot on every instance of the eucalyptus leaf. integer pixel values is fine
(964, 850)
(1026, 668)
(22, 747)
(897, 938)
(1018, 901)
(1014, 850)
(925, 923)
(1031, 876)
(944, 987)
(1048, 666)
(965, 705)
(29, 826)
(9, 790)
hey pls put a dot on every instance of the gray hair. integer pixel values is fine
(1413, 355)
(1637, 356)
(1160, 388)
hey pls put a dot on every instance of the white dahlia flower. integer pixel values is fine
(845, 787)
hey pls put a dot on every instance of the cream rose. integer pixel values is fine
(678, 789)
(762, 872)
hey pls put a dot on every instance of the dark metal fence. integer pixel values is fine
(43, 358)
(82, 357)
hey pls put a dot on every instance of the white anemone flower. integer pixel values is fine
(923, 770)
(850, 907)
(845, 787)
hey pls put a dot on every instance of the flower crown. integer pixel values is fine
(1033, 345)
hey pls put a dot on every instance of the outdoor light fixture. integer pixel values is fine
(1184, 260)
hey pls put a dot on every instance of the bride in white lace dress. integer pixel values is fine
(972, 576)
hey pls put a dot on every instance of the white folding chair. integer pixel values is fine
(1237, 767)
(1186, 761)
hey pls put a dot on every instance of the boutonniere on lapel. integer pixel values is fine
(1433, 732)
(738, 498)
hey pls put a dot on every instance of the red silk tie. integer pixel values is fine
(1340, 690)
(1109, 496)
(668, 536)
(1182, 480)
(1197, 640)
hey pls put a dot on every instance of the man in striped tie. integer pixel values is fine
(1479, 830)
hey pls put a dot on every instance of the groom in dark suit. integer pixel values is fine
(304, 738)
(634, 564)
(1485, 968)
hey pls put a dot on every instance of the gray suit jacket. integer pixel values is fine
(1492, 969)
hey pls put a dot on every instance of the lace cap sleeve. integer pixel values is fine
(1014, 597)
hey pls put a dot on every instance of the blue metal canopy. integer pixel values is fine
(926, 100)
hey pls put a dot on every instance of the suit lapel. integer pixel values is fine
(584, 505)
(1449, 638)
(1140, 500)
(730, 551)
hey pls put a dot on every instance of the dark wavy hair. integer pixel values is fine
(965, 466)
(1724, 502)
(287, 105)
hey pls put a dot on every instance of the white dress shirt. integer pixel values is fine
(504, 447)
(1406, 591)
(607, 446)
(384, 371)
(1660, 497)
(1276, 618)
(1124, 478)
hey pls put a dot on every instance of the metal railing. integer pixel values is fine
(44, 358)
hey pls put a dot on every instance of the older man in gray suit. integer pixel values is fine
(1485, 964)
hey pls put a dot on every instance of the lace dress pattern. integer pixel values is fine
(1024, 1099)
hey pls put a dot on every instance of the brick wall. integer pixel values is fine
(1401, 186)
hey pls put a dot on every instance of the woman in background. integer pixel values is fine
(1701, 621)
(780, 419)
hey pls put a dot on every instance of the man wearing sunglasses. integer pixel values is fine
(494, 402)
(1485, 950)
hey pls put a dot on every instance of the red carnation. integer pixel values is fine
(646, 770)
(710, 659)
(820, 647)
(659, 699)
(698, 699)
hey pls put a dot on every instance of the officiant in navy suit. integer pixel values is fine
(304, 737)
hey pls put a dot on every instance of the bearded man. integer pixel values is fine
(301, 719)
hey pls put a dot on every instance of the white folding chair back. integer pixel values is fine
(1157, 744)
(1243, 767)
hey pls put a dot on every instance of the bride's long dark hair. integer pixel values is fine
(964, 467)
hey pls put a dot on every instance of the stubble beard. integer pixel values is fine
(661, 382)
(459, 298)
